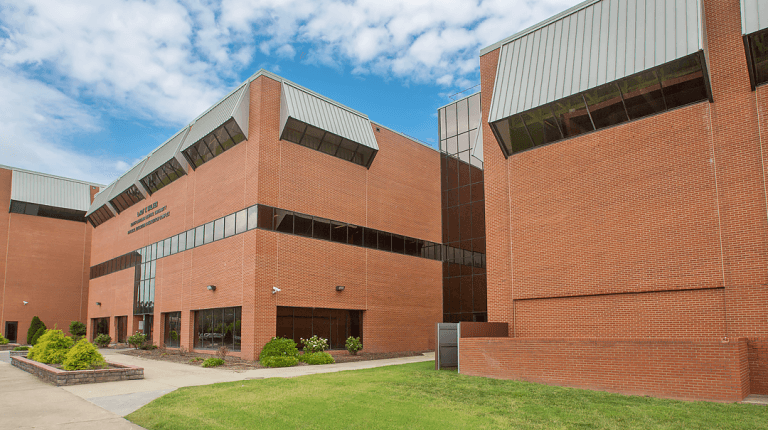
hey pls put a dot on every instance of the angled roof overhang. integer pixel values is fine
(754, 29)
(127, 191)
(591, 44)
(754, 16)
(48, 190)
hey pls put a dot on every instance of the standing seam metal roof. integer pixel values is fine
(306, 107)
(164, 153)
(217, 115)
(127, 180)
(754, 15)
(41, 189)
(589, 45)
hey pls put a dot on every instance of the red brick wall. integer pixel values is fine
(45, 262)
(400, 193)
(686, 369)
(482, 329)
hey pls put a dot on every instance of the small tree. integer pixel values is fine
(41, 331)
(137, 340)
(103, 340)
(34, 326)
(77, 330)
(51, 348)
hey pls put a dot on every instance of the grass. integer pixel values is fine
(415, 396)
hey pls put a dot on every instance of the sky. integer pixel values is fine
(89, 87)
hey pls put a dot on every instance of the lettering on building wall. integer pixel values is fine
(150, 218)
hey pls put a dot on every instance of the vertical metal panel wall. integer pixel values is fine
(585, 47)
(754, 15)
(49, 190)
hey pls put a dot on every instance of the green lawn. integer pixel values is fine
(415, 396)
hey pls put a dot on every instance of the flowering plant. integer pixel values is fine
(315, 344)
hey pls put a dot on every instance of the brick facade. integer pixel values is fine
(400, 193)
(45, 262)
(651, 229)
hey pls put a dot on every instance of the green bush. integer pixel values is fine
(148, 346)
(21, 348)
(353, 345)
(317, 358)
(195, 360)
(284, 361)
(83, 356)
(103, 340)
(37, 335)
(3, 340)
(137, 340)
(315, 344)
(51, 348)
(213, 362)
(34, 326)
(279, 347)
(76, 328)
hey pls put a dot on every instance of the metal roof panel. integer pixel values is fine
(754, 16)
(42, 189)
(100, 199)
(218, 115)
(127, 180)
(164, 153)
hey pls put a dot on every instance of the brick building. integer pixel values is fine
(276, 212)
(625, 200)
(46, 257)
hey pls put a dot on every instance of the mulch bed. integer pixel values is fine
(236, 363)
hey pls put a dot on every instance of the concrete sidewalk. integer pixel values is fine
(26, 403)
(161, 377)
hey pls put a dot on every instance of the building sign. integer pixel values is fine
(150, 216)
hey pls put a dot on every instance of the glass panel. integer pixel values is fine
(321, 228)
(152, 267)
(385, 241)
(572, 115)
(370, 238)
(474, 111)
(218, 229)
(241, 221)
(293, 130)
(515, 136)
(541, 125)
(213, 145)
(167, 247)
(312, 137)
(450, 121)
(151, 297)
(265, 218)
(191, 239)
(253, 212)
(452, 145)
(153, 251)
(208, 233)
(642, 94)
(237, 329)
(182, 242)
(338, 232)
(203, 150)
(174, 244)
(354, 235)
(160, 250)
(683, 81)
(413, 246)
(234, 131)
(363, 155)
(229, 225)
(283, 221)
(464, 142)
(441, 124)
(199, 235)
(462, 116)
(302, 225)
(398, 244)
(605, 106)
(347, 150)
(758, 43)
(223, 137)
(228, 327)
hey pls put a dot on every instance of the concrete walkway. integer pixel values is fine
(28, 403)
(161, 377)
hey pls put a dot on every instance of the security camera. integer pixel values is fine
(275, 290)
(25, 302)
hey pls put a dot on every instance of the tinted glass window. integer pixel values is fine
(312, 137)
(294, 130)
(321, 228)
(606, 106)
(265, 217)
(253, 217)
(191, 238)
(218, 229)
(208, 233)
(241, 221)
(174, 244)
(398, 244)
(167, 247)
(542, 126)
(182, 242)
(683, 82)
(370, 240)
(642, 94)
(338, 232)
(283, 221)
(229, 225)
(572, 115)
(385, 241)
(302, 225)
(354, 235)
(758, 44)
(413, 246)
(199, 235)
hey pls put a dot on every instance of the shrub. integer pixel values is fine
(213, 362)
(37, 335)
(103, 340)
(21, 348)
(33, 328)
(353, 345)
(148, 346)
(174, 335)
(76, 328)
(279, 347)
(315, 344)
(182, 350)
(195, 360)
(51, 348)
(83, 356)
(137, 340)
(222, 352)
(284, 361)
(3, 340)
(317, 358)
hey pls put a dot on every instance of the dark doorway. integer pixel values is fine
(336, 325)
(100, 326)
(172, 329)
(121, 328)
(11, 328)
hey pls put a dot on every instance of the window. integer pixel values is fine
(336, 325)
(163, 175)
(321, 228)
(218, 229)
(327, 142)
(302, 225)
(172, 330)
(241, 221)
(99, 326)
(757, 56)
(215, 328)
(214, 144)
(121, 329)
(283, 221)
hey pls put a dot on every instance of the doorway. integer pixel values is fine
(11, 328)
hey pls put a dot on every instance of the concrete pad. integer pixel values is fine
(756, 399)
(27, 402)
(124, 404)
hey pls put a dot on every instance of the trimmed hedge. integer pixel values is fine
(3, 340)
(213, 362)
(51, 348)
(34, 326)
(103, 340)
(279, 352)
(83, 356)
(285, 361)
(317, 358)
(36, 338)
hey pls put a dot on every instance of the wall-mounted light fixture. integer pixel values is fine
(25, 302)
(98, 303)
(275, 290)
(339, 288)
(211, 288)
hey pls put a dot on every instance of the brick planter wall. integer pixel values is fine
(690, 369)
(59, 377)
(8, 347)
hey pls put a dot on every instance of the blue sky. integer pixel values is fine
(89, 87)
